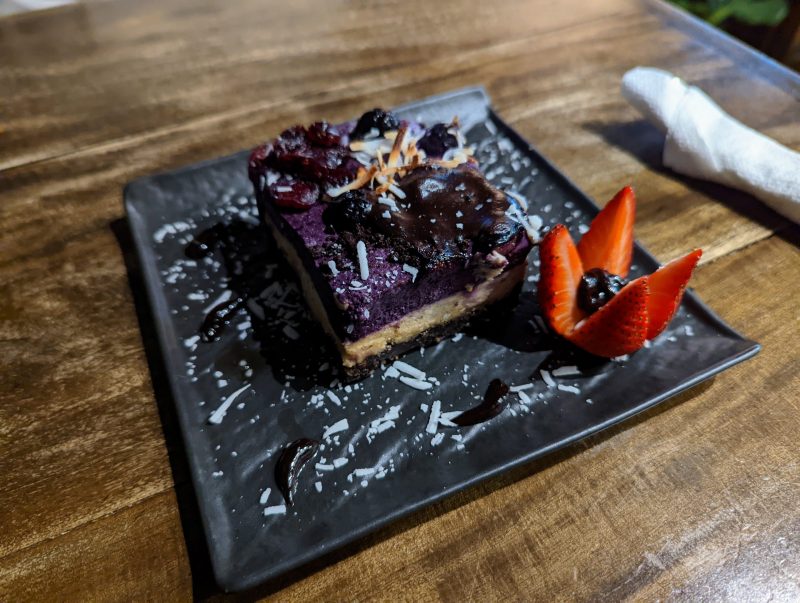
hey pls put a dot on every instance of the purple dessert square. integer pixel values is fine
(395, 234)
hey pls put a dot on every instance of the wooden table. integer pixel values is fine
(698, 499)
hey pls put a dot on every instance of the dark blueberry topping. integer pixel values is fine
(352, 208)
(597, 288)
(379, 119)
(437, 140)
(495, 234)
(322, 134)
(314, 155)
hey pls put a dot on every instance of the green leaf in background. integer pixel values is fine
(750, 12)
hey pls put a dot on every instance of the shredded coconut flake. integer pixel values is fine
(416, 383)
(433, 419)
(275, 510)
(547, 378)
(392, 372)
(406, 368)
(216, 417)
(337, 427)
(265, 496)
(388, 201)
(566, 371)
(363, 265)
(412, 271)
(519, 388)
(332, 266)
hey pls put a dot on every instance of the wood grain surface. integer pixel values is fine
(695, 500)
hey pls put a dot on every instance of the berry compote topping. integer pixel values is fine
(597, 288)
(437, 140)
(381, 120)
(353, 207)
(308, 159)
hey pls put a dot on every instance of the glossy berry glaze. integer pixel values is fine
(597, 288)
(443, 234)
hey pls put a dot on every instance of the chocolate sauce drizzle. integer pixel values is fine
(493, 404)
(203, 244)
(290, 463)
(447, 215)
(219, 317)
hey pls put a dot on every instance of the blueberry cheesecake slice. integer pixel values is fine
(396, 236)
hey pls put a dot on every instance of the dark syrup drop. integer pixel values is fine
(290, 463)
(203, 244)
(491, 406)
(218, 318)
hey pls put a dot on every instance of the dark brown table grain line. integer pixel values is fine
(90, 519)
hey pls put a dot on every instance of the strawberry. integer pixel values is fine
(666, 290)
(609, 242)
(638, 312)
(559, 278)
(619, 327)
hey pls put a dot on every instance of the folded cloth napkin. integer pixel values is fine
(705, 142)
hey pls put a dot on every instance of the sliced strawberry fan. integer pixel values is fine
(582, 290)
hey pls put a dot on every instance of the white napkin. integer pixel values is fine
(705, 142)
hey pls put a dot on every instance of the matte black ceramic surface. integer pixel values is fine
(386, 463)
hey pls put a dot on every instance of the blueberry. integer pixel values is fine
(495, 234)
(437, 140)
(379, 119)
(597, 288)
(351, 208)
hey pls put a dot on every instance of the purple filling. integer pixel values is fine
(387, 295)
(358, 306)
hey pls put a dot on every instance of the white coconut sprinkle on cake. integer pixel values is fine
(412, 271)
(363, 265)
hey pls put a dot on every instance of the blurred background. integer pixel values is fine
(772, 26)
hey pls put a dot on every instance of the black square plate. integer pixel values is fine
(386, 464)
